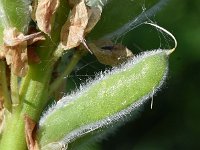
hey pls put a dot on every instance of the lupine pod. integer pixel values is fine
(101, 102)
(15, 14)
(116, 13)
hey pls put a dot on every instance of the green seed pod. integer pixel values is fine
(108, 99)
(124, 11)
(15, 14)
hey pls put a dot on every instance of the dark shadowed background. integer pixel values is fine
(174, 121)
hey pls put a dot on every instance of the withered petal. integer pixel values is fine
(15, 49)
(109, 53)
(44, 14)
(19, 60)
(72, 33)
(30, 132)
(13, 38)
(35, 37)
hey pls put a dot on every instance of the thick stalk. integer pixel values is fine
(33, 104)
(14, 126)
(34, 87)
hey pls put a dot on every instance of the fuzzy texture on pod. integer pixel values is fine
(109, 98)
(15, 14)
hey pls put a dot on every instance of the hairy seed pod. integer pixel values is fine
(108, 99)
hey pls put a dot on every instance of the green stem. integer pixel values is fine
(34, 87)
(57, 82)
(14, 126)
(36, 96)
(32, 104)
(24, 86)
(3, 81)
(14, 88)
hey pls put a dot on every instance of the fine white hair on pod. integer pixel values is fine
(99, 77)
(84, 88)
(122, 115)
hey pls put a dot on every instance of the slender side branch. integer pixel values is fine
(74, 60)
(24, 86)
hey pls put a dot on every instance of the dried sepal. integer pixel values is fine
(109, 53)
(34, 37)
(20, 59)
(12, 37)
(16, 56)
(72, 33)
(15, 49)
(44, 14)
(30, 132)
(81, 21)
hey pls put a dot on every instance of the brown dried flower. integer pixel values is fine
(44, 14)
(15, 49)
(109, 53)
(80, 22)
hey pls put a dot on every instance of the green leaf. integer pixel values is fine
(15, 13)
(108, 99)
